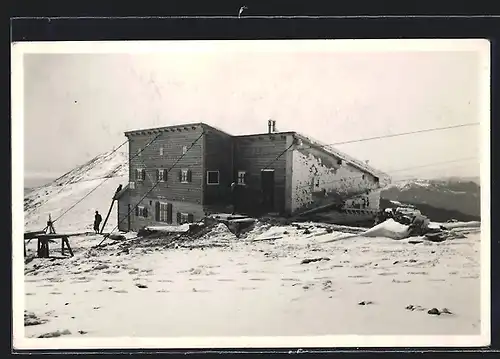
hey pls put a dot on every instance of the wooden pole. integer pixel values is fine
(66, 241)
(109, 212)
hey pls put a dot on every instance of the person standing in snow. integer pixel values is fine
(97, 221)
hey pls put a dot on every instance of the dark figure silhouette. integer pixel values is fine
(97, 221)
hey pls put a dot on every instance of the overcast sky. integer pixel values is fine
(78, 105)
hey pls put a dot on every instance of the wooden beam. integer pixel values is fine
(31, 235)
(64, 241)
(59, 235)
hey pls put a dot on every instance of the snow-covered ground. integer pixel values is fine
(57, 197)
(276, 280)
(259, 287)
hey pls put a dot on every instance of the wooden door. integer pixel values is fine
(267, 187)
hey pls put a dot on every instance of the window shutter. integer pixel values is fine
(157, 175)
(246, 177)
(136, 211)
(189, 176)
(169, 213)
(190, 218)
(180, 175)
(157, 211)
(145, 212)
(165, 174)
(178, 217)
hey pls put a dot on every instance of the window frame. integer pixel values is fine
(138, 174)
(184, 149)
(218, 178)
(242, 175)
(164, 209)
(184, 175)
(161, 151)
(184, 217)
(160, 174)
(141, 210)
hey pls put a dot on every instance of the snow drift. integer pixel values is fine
(389, 229)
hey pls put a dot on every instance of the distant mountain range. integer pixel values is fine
(439, 199)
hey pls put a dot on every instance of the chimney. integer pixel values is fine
(269, 125)
(274, 126)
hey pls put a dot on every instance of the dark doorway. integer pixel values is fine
(267, 183)
(128, 217)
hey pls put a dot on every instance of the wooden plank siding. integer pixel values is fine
(254, 153)
(172, 141)
(218, 156)
(150, 159)
(122, 209)
(138, 222)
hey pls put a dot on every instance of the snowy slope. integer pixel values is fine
(110, 169)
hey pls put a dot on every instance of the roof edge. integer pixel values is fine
(163, 128)
(266, 134)
(343, 156)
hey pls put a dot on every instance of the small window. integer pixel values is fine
(184, 150)
(242, 175)
(131, 185)
(140, 174)
(212, 177)
(339, 162)
(185, 176)
(184, 218)
(161, 175)
(161, 151)
(141, 211)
